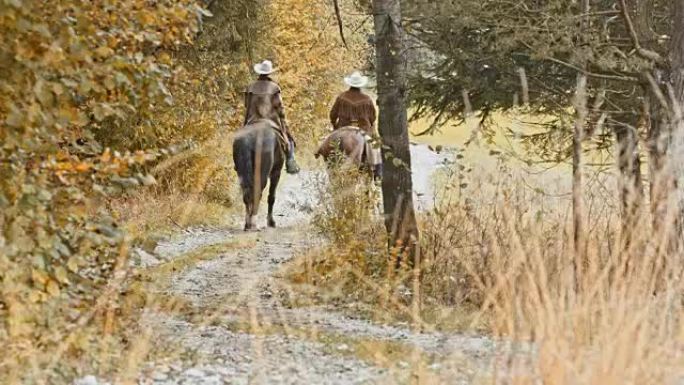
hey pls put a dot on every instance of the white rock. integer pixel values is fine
(146, 259)
(225, 371)
(343, 347)
(159, 376)
(87, 380)
(193, 372)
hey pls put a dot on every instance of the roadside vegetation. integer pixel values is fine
(116, 121)
(545, 231)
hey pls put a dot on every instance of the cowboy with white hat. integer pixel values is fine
(353, 108)
(263, 100)
(356, 80)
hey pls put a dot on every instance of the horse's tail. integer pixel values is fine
(253, 155)
(364, 153)
(243, 157)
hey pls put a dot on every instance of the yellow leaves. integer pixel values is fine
(15, 118)
(85, 86)
(24, 52)
(54, 55)
(68, 114)
(39, 277)
(42, 29)
(104, 52)
(44, 283)
(43, 93)
(140, 157)
(36, 296)
(82, 167)
(57, 89)
(109, 83)
(102, 111)
(65, 64)
(146, 18)
(72, 264)
(81, 119)
(165, 58)
(52, 288)
(61, 275)
(311, 64)
(14, 3)
(113, 42)
(106, 156)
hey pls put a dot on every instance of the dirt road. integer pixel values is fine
(239, 326)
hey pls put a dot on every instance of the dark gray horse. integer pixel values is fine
(258, 156)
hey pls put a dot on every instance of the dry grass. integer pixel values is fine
(197, 187)
(500, 260)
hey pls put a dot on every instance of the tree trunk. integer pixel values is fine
(676, 143)
(630, 182)
(581, 113)
(397, 186)
(577, 201)
(657, 149)
(654, 118)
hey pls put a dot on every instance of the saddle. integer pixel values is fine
(282, 139)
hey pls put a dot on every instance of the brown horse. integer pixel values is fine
(347, 145)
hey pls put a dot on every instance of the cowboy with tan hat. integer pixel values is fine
(263, 100)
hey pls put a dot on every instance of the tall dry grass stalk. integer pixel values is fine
(500, 256)
(621, 322)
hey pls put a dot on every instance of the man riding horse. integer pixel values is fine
(353, 120)
(263, 101)
(262, 145)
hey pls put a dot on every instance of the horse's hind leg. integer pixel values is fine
(273, 186)
(249, 211)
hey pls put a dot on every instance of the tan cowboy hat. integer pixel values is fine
(264, 68)
(356, 80)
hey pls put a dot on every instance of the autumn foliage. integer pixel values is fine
(76, 78)
(99, 100)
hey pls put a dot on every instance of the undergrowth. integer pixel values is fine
(497, 257)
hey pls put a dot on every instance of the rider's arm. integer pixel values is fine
(280, 109)
(334, 113)
(248, 97)
(373, 116)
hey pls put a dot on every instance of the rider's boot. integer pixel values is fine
(291, 166)
(377, 173)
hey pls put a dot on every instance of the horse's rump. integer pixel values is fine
(254, 153)
(265, 125)
(351, 142)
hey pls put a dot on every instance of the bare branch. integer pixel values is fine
(338, 15)
(658, 92)
(623, 78)
(641, 51)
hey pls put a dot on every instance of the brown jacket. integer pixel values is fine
(263, 101)
(354, 108)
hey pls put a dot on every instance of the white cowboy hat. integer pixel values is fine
(264, 68)
(356, 80)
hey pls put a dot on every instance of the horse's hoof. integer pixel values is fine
(271, 223)
(249, 227)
